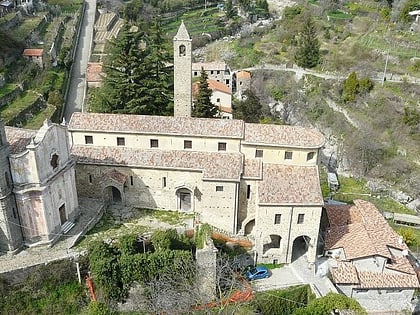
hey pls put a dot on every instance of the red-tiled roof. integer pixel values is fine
(33, 52)
(18, 138)
(252, 168)
(214, 165)
(218, 86)
(283, 184)
(283, 135)
(345, 273)
(186, 126)
(94, 72)
(360, 230)
(243, 75)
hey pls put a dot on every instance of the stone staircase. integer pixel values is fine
(66, 227)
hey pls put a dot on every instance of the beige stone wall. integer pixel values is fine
(182, 78)
(276, 155)
(247, 205)
(165, 142)
(288, 229)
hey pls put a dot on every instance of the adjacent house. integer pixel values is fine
(221, 97)
(369, 260)
(217, 71)
(34, 55)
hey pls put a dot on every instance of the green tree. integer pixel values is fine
(307, 54)
(230, 11)
(328, 303)
(350, 88)
(138, 80)
(249, 109)
(203, 107)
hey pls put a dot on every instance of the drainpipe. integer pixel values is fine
(290, 230)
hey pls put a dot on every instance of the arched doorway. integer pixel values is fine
(112, 195)
(184, 199)
(249, 227)
(300, 246)
(272, 242)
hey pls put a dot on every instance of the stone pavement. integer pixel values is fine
(297, 273)
(90, 208)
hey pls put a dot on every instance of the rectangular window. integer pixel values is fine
(288, 155)
(154, 143)
(227, 82)
(88, 139)
(195, 73)
(187, 144)
(219, 188)
(218, 72)
(310, 156)
(164, 182)
(131, 180)
(217, 100)
(277, 218)
(221, 146)
(248, 191)
(301, 218)
(259, 153)
(90, 178)
(120, 141)
(211, 72)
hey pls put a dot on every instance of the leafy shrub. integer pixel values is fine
(291, 12)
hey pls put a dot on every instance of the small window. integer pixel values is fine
(259, 153)
(217, 100)
(248, 191)
(277, 218)
(88, 139)
(187, 144)
(288, 155)
(227, 82)
(221, 146)
(154, 143)
(211, 72)
(120, 141)
(163, 181)
(301, 218)
(219, 188)
(195, 73)
(182, 50)
(218, 72)
(310, 156)
(131, 180)
(54, 161)
(90, 178)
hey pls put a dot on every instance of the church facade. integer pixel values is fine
(257, 180)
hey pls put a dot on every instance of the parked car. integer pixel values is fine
(259, 272)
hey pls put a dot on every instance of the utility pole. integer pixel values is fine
(386, 65)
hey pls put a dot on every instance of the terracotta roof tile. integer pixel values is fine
(222, 128)
(289, 136)
(345, 273)
(94, 72)
(33, 52)
(400, 264)
(283, 184)
(214, 165)
(19, 138)
(362, 231)
(252, 168)
(218, 86)
(243, 74)
(374, 280)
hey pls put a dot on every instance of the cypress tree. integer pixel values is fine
(203, 107)
(307, 54)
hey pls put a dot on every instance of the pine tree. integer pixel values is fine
(203, 107)
(138, 80)
(308, 55)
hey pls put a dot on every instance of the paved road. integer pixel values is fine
(77, 92)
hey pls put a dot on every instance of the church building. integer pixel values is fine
(257, 180)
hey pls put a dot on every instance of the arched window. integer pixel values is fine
(54, 161)
(182, 50)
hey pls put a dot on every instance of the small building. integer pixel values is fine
(217, 71)
(35, 55)
(94, 75)
(243, 81)
(368, 260)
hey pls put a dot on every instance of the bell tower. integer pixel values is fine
(182, 73)
(10, 230)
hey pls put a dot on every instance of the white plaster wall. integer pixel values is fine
(275, 155)
(224, 99)
(171, 142)
(374, 264)
(381, 300)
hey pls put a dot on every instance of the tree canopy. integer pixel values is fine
(137, 77)
(203, 107)
(249, 109)
(307, 54)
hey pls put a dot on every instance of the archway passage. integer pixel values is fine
(274, 242)
(112, 195)
(184, 199)
(300, 246)
(249, 227)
